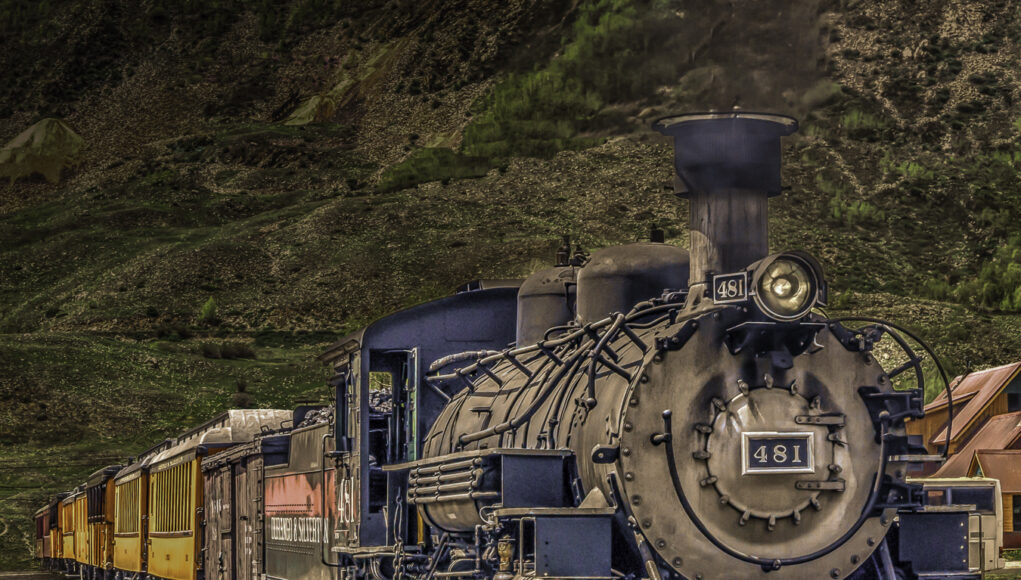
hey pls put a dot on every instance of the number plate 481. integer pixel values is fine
(729, 288)
(776, 453)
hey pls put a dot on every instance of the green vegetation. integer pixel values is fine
(862, 125)
(432, 164)
(228, 350)
(997, 286)
(848, 212)
(912, 170)
(855, 212)
(614, 53)
(208, 313)
(535, 115)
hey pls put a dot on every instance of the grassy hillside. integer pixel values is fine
(449, 141)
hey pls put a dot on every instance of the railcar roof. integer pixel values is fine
(99, 476)
(230, 428)
(144, 459)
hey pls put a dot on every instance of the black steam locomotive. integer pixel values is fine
(662, 414)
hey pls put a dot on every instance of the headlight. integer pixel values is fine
(786, 288)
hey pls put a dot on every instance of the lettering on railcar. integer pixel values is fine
(346, 501)
(300, 530)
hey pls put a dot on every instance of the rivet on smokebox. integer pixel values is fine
(634, 401)
(628, 426)
(626, 452)
(646, 524)
(678, 562)
(658, 358)
(636, 500)
(629, 476)
(661, 543)
(645, 378)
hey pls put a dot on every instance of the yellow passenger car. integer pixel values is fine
(100, 508)
(67, 536)
(131, 498)
(174, 496)
(41, 525)
(55, 533)
(176, 487)
(81, 527)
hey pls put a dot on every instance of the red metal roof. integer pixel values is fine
(982, 387)
(959, 394)
(999, 433)
(1002, 465)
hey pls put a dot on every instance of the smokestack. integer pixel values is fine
(728, 166)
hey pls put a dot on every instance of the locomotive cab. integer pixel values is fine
(384, 409)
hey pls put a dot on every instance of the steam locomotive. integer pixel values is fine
(661, 414)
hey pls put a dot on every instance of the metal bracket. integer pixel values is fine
(902, 496)
(827, 485)
(678, 340)
(898, 405)
(830, 420)
(755, 336)
(605, 453)
(916, 458)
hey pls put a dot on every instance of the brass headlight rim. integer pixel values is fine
(811, 273)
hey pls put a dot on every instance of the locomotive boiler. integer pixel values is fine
(659, 413)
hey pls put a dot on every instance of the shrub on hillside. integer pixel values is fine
(227, 350)
(207, 315)
(432, 164)
(997, 286)
(234, 350)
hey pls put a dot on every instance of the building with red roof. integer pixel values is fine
(985, 437)
(977, 396)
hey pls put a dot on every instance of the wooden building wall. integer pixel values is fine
(930, 425)
(1008, 513)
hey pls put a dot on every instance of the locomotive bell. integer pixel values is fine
(728, 165)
